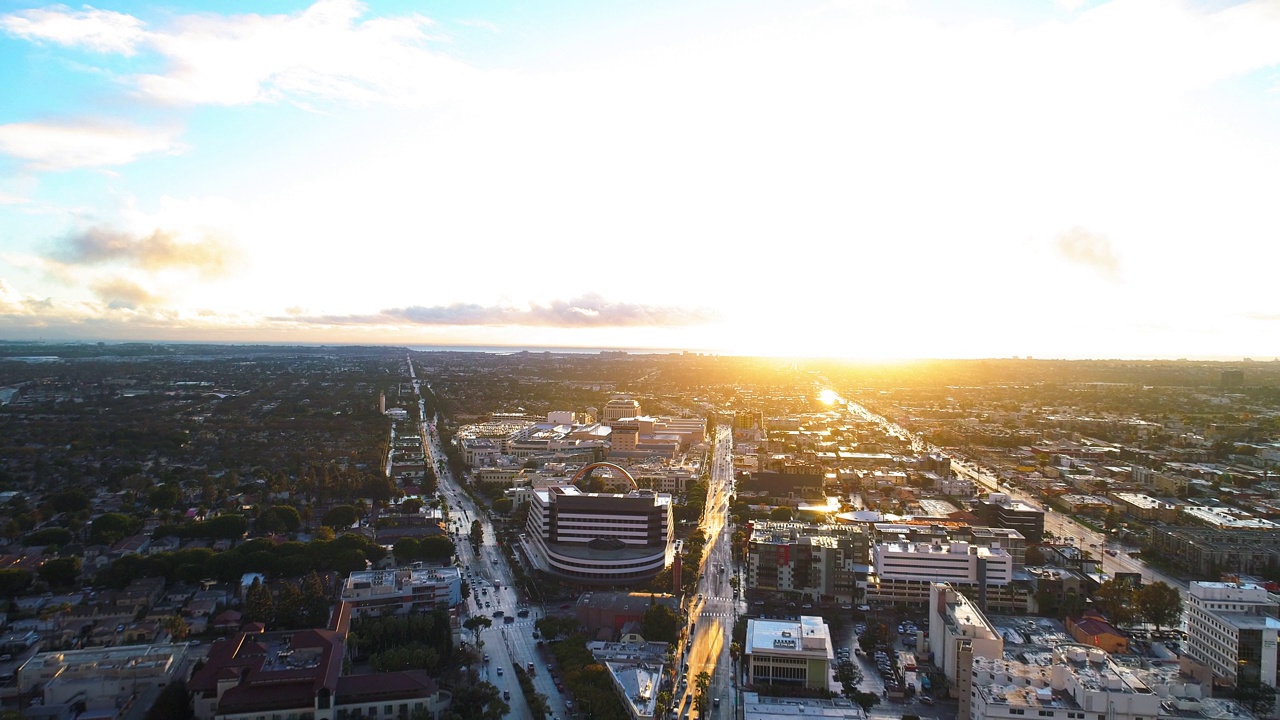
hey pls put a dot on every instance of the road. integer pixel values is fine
(492, 590)
(1059, 524)
(715, 608)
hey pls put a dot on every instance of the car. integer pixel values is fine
(193, 643)
(486, 657)
(758, 603)
(499, 670)
(846, 607)
(6, 657)
(926, 699)
(506, 694)
(120, 628)
(808, 606)
(498, 613)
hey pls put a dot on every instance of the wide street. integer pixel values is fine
(492, 591)
(715, 607)
(1055, 522)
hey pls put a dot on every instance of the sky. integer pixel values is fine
(841, 179)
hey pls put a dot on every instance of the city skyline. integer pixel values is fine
(880, 180)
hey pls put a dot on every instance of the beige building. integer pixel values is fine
(959, 633)
(791, 652)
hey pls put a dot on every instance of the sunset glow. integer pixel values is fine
(864, 180)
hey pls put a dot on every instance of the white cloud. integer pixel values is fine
(99, 30)
(87, 144)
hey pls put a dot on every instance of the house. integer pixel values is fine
(228, 621)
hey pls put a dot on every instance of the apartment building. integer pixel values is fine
(959, 633)
(822, 562)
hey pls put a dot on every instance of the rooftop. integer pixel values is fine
(807, 636)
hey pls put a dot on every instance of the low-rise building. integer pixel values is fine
(1092, 628)
(795, 652)
(71, 682)
(822, 562)
(402, 590)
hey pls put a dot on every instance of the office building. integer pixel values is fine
(904, 572)
(1232, 629)
(600, 537)
(1001, 510)
(790, 652)
(619, 408)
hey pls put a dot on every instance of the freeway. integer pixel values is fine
(493, 591)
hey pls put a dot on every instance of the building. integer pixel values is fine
(906, 572)
(379, 695)
(760, 707)
(1208, 552)
(795, 652)
(250, 676)
(619, 408)
(1001, 510)
(1232, 629)
(403, 590)
(1092, 628)
(1145, 507)
(98, 680)
(1084, 683)
(636, 671)
(600, 609)
(958, 633)
(822, 562)
(600, 537)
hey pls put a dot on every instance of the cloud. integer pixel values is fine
(1091, 250)
(588, 311)
(66, 146)
(211, 256)
(121, 293)
(98, 30)
(324, 52)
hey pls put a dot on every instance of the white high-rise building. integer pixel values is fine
(1232, 628)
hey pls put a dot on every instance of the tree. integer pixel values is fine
(477, 533)
(411, 506)
(278, 519)
(315, 603)
(61, 572)
(783, 514)
(176, 627)
(288, 606)
(259, 605)
(480, 701)
(406, 550)
(502, 505)
(1116, 600)
(436, 548)
(165, 497)
(702, 684)
(661, 624)
(476, 623)
(111, 528)
(70, 501)
(1257, 696)
(340, 517)
(173, 703)
(1160, 604)
(865, 700)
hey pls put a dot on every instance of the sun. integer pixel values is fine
(828, 397)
